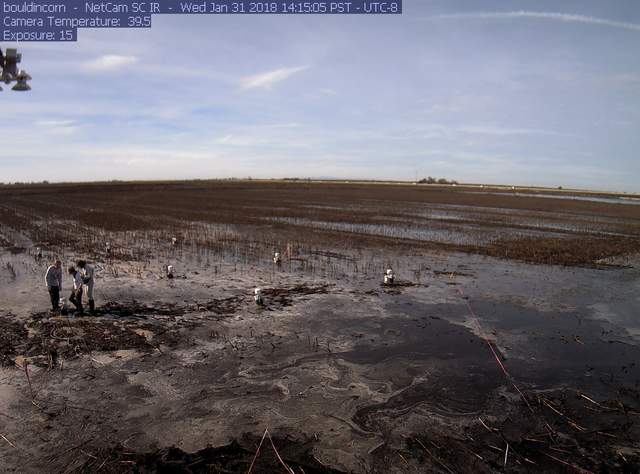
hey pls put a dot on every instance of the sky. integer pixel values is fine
(524, 92)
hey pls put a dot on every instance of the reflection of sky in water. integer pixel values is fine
(494, 215)
(462, 235)
(608, 200)
(580, 226)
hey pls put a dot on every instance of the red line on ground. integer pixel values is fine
(493, 351)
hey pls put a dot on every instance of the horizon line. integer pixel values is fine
(450, 184)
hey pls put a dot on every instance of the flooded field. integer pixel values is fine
(509, 341)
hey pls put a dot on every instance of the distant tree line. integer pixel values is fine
(23, 183)
(432, 180)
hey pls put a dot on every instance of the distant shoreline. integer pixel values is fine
(461, 187)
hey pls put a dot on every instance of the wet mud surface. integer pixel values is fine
(468, 363)
(350, 376)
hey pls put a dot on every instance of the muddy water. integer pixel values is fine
(428, 360)
(540, 349)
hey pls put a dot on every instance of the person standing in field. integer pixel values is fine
(76, 294)
(53, 279)
(87, 272)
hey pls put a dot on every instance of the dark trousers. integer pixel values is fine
(54, 293)
(76, 299)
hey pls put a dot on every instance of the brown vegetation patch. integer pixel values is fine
(561, 251)
(13, 336)
(68, 338)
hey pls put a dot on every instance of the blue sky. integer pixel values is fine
(503, 91)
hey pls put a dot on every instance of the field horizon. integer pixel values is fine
(487, 187)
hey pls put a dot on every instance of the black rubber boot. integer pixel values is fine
(92, 307)
(77, 302)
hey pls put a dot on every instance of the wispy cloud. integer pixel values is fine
(58, 127)
(504, 131)
(622, 79)
(110, 62)
(328, 91)
(267, 80)
(564, 17)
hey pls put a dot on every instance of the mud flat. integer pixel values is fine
(509, 341)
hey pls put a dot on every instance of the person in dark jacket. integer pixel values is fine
(53, 279)
(87, 272)
(76, 294)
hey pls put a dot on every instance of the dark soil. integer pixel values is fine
(222, 306)
(284, 297)
(12, 336)
(565, 432)
(561, 251)
(397, 287)
(232, 458)
(63, 337)
(113, 327)
(68, 338)
(134, 309)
